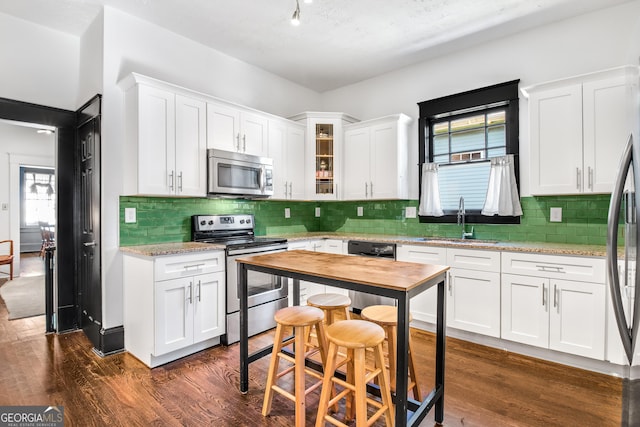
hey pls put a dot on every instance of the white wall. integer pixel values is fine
(19, 146)
(38, 65)
(91, 61)
(131, 44)
(583, 44)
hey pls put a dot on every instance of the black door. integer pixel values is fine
(88, 226)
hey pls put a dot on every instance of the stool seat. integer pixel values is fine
(355, 333)
(383, 315)
(329, 301)
(298, 316)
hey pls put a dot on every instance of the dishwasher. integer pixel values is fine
(360, 300)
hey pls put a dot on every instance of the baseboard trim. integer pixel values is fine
(110, 341)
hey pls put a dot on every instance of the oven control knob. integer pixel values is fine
(203, 222)
(248, 221)
(242, 221)
(211, 222)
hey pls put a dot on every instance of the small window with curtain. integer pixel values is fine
(38, 196)
(459, 136)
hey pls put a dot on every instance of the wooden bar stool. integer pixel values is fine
(356, 336)
(299, 318)
(332, 305)
(387, 317)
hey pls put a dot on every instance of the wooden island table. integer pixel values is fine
(395, 279)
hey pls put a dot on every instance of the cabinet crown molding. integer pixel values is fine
(630, 71)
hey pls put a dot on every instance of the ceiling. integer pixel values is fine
(337, 43)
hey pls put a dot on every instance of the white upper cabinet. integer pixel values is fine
(234, 129)
(323, 153)
(578, 128)
(166, 147)
(376, 159)
(286, 148)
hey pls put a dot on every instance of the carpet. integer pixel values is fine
(24, 296)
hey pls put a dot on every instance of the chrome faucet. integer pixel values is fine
(461, 215)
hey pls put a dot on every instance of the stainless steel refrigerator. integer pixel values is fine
(622, 250)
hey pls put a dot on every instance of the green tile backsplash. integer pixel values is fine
(161, 220)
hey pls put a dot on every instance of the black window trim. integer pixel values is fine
(468, 103)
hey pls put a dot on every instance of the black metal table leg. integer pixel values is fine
(440, 350)
(296, 291)
(244, 328)
(402, 360)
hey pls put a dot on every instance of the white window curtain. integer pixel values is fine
(502, 193)
(430, 196)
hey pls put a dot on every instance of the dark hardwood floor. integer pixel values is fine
(485, 386)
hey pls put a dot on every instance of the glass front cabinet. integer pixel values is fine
(325, 136)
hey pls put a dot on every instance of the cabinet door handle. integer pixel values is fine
(290, 190)
(371, 188)
(578, 179)
(244, 143)
(190, 299)
(285, 190)
(171, 180)
(180, 182)
(449, 285)
(544, 295)
(336, 190)
(555, 297)
(199, 291)
(590, 177)
(366, 189)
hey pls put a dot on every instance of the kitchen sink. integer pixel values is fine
(454, 241)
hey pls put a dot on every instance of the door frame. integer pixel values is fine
(65, 123)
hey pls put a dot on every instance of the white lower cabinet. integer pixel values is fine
(551, 312)
(173, 305)
(334, 246)
(183, 311)
(423, 306)
(473, 299)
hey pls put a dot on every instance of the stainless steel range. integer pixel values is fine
(267, 293)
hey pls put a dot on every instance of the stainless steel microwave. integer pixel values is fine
(237, 174)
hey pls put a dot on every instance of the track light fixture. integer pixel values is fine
(295, 19)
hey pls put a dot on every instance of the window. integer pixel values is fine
(37, 188)
(461, 133)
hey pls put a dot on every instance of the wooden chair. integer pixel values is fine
(8, 259)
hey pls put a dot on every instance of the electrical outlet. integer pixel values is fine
(129, 215)
(287, 213)
(360, 211)
(410, 212)
(317, 212)
(555, 215)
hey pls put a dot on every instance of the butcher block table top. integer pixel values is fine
(379, 272)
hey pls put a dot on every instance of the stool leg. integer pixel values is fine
(393, 342)
(385, 393)
(299, 375)
(349, 404)
(327, 384)
(361, 388)
(273, 368)
(347, 316)
(412, 371)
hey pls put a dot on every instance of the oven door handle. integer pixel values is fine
(247, 251)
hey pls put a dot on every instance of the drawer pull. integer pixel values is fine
(195, 266)
(551, 268)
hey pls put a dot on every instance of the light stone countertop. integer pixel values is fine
(531, 247)
(176, 248)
